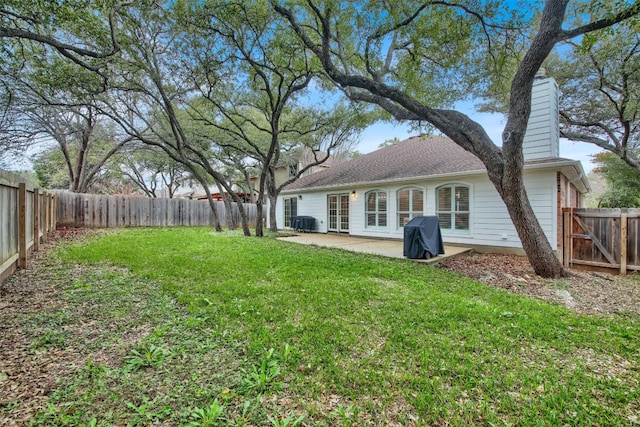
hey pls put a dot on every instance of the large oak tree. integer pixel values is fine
(54, 58)
(600, 82)
(255, 90)
(415, 58)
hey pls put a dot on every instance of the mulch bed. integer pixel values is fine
(27, 376)
(582, 291)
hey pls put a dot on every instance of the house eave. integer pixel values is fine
(570, 168)
(356, 184)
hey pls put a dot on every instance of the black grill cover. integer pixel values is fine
(303, 223)
(422, 238)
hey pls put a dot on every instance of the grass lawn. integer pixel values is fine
(190, 327)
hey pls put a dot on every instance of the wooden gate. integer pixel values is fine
(601, 238)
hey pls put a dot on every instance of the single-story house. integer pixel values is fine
(376, 194)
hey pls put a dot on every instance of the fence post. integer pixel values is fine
(45, 218)
(54, 211)
(36, 219)
(566, 245)
(51, 214)
(623, 244)
(22, 225)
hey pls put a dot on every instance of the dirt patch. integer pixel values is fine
(584, 292)
(30, 362)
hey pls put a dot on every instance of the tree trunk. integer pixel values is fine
(239, 204)
(264, 177)
(272, 193)
(273, 224)
(259, 211)
(243, 216)
(230, 219)
(214, 210)
(212, 203)
(219, 179)
(539, 252)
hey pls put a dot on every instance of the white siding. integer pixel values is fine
(356, 213)
(489, 220)
(311, 204)
(279, 211)
(315, 205)
(542, 136)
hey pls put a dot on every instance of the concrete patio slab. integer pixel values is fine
(392, 248)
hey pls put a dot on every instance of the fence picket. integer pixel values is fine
(95, 211)
(24, 221)
(604, 238)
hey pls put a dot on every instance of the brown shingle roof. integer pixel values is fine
(414, 157)
(418, 156)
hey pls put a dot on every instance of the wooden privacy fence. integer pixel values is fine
(27, 217)
(94, 211)
(602, 238)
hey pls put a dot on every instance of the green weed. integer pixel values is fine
(48, 340)
(289, 421)
(145, 412)
(208, 416)
(65, 416)
(345, 416)
(261, 377)
(147, 356)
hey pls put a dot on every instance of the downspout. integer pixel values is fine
(571, 181)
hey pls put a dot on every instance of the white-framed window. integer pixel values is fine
(452, 207)
(376, 208)
(410, 204)
(290, 210)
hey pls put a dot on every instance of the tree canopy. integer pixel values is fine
(600, 81)
(623, 182)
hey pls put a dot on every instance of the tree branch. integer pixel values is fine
(459, 127)
(627, 13)
(606, 129)
(69, 51)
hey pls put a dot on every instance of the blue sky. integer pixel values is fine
(376, 134)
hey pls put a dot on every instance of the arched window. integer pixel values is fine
(410, 204)
(453, 207)
(376, 208)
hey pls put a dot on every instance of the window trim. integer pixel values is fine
(376, 212)
(411, 212)
(453, 211)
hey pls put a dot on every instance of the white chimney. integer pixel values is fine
(542, 137)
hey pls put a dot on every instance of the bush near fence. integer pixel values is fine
(95, 211)
(27, 217)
